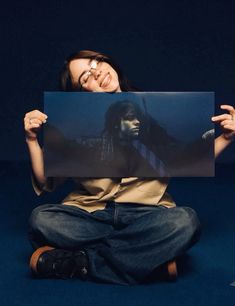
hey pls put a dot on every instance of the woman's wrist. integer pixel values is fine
(31, 139)
(228, 136)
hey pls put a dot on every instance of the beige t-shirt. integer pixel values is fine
(92, 194)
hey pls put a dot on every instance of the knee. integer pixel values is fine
(37, 218)
(188, 224)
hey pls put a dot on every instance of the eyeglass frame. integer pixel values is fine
(97, 60)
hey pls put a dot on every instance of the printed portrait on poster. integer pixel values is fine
(132, 134)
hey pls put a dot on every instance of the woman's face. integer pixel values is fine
(129, 127)
(93, 75)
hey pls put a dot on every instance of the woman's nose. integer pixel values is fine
(96, 73)
(136, 122)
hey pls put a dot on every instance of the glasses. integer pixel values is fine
(85, 76)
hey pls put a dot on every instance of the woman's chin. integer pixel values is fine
(112, 89)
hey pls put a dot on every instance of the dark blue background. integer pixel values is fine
(161, 46)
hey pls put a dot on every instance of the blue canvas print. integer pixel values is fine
(140, 134)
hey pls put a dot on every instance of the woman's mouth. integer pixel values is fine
(135, 130)
(106, 80)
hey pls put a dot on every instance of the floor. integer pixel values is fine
(205, 273)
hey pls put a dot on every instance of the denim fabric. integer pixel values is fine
(124, 242)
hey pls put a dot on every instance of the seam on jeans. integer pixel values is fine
(115, 217)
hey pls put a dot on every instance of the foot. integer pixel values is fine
(49, 262)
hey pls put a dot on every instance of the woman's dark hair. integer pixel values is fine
(151, 134)
(113, 116)
(66, 83)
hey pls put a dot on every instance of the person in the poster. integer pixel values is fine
(124, 142)
(124, 123)
(148, 149)
(108, 230)
(120, 151)
(132, 143)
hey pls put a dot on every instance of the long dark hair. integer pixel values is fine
(151, 134)
(66, 83)
(110, 133)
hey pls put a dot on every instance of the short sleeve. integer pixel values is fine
(49, 186)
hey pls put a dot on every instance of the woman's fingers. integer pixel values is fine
(36, 114)
(221, 117)
(230, 127)
(229, 108)
(227, 122)
(32, 122)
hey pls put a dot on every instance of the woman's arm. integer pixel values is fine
(32, 124)
(227, 124)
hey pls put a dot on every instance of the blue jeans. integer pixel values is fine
(124, 242)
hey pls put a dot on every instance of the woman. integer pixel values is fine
(110, 230)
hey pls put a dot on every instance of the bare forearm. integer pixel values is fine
(37, 160)
(221, 144)
(32, 123)
(227, 124)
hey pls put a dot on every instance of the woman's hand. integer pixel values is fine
(32, 123)
(226, 122)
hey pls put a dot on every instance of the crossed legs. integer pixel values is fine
(124, 242)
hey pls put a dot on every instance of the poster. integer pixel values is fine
(129, 134)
